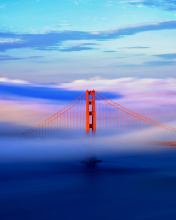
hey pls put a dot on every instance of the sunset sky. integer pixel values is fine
(49, 48)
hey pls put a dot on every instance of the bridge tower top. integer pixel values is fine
(90, 111)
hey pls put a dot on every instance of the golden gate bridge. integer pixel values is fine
(93, 112)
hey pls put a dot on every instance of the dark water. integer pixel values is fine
(135, 186)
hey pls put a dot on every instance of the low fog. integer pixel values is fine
(67, 147)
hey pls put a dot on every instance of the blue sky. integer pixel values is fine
(62, 41)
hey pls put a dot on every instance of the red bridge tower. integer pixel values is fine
(90, 111)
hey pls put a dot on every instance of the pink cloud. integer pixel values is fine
(152, 97)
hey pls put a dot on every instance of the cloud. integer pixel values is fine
(15, 91)
(54, 40)
(19, 89)
(19, 81)
(169, 5)
(65, 25)
(160, 63)
(139, 47)
(168, 56)
(135, 89)
(109, 51)
(78, 47)
(7, 58)
(152, 63)
(75, 48)
(96, 19)
(10, 41)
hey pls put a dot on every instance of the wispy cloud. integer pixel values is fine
(54, 40)
(146, 92)
(139, 47)
(8, 58)
(19, 81)
(109, 51)
(75, 48)
(160, 63)
(65, 25)
(78, 47)
(95, 19)
(20, 89)
(168, 56)
(169, 5)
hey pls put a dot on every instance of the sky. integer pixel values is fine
(52, 51)
(61, 41)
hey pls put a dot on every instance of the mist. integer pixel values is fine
(67, 147)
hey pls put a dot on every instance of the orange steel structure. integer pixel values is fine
(90, 111)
